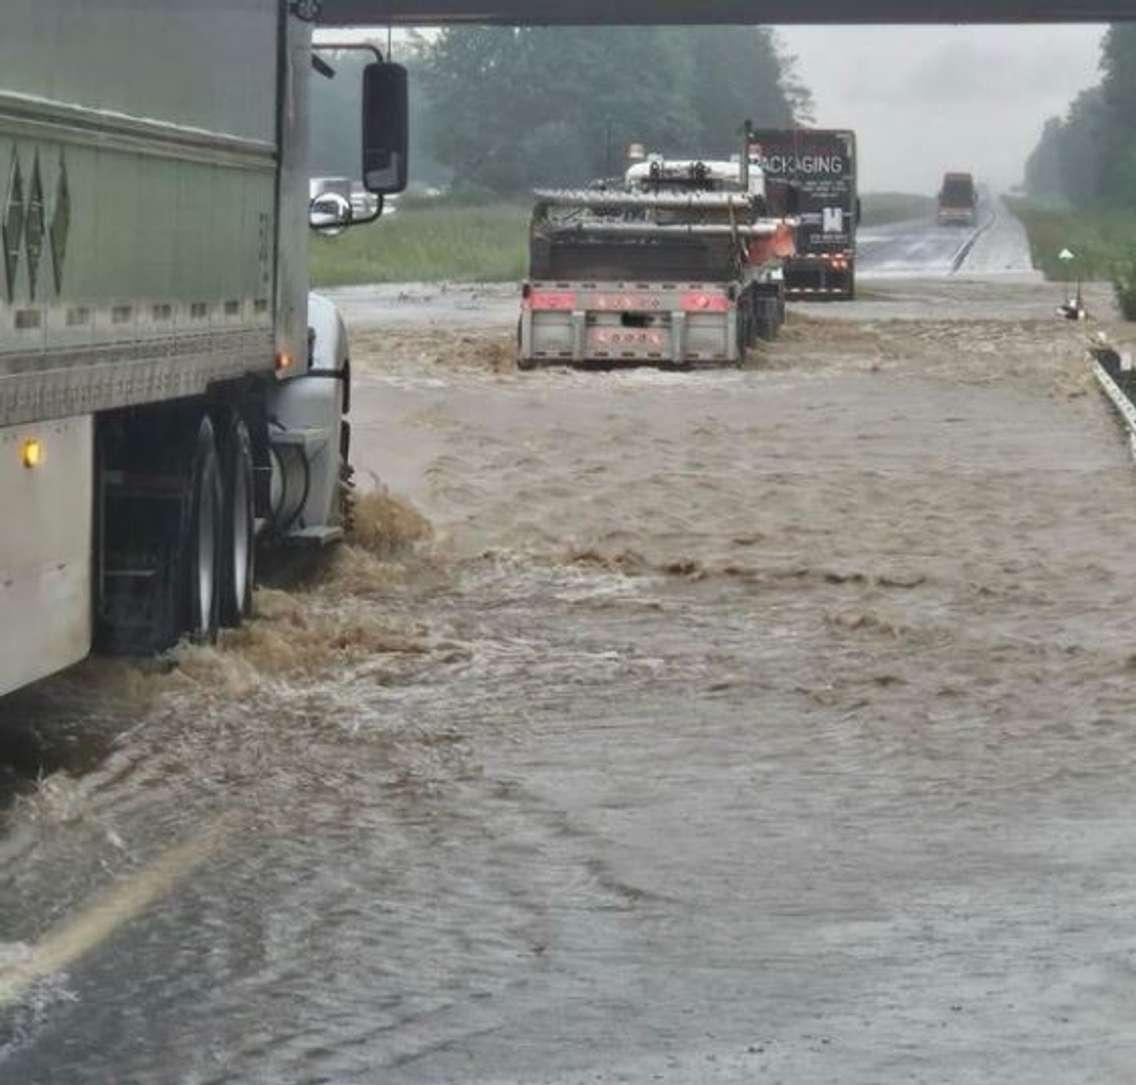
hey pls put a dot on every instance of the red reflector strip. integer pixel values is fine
(552, 299)
(700, 302)
(631, 303)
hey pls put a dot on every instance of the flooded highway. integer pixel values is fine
(764, 724)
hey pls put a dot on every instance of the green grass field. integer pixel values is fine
(443, 240)
(427, 242)
(1103, 241)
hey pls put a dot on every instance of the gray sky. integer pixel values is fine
(927, 99)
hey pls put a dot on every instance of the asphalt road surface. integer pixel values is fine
(997, 244)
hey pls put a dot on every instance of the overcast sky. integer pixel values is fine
(927, 99)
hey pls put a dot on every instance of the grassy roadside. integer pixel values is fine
(436, 240)
(425, 243)
(1104, 241)
(879, 208)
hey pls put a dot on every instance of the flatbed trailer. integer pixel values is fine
(660, 278)
(669, 324)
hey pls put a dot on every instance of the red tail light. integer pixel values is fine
(701, 302)
(552, 299)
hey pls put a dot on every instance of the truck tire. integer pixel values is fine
(238, 524)
(524, 364)
(744, 334)
(201, 538)
(768, 312)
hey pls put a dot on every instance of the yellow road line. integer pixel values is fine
(107, 912)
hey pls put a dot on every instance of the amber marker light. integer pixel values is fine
(32, 452)
(283, 361)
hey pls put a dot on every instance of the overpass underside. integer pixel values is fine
(694, 12)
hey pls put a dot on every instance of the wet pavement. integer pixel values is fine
(995, 245)
(767, 724)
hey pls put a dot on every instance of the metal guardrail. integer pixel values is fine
(1120, 401)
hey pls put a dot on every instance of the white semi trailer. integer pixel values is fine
(169, 390)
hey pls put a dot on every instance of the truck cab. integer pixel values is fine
(958, 200)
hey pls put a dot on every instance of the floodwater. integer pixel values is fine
(771, 724)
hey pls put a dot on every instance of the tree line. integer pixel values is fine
(504, 109)
(518, 107)
(1089, 155)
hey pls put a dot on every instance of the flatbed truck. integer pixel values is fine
(682, 267)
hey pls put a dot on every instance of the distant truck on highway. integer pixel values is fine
(169, 389)
(958, 201)
(820, 163)
(679, 266)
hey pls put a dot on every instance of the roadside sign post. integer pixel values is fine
(1073, 307)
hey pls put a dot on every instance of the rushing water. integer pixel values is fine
(771, 724)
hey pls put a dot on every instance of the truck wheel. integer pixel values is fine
(523, 363)
(346, 481)
(768, 310)
(238, 525)
(201, 537)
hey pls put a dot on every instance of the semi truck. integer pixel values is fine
(958, 201)
(820, 165)
(170, 391)
(680, 266)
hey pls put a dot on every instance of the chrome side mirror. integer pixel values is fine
(329, 213)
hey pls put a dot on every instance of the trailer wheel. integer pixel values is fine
(238, 525)
(744, 333)
(523, 363)
(201, 537)
(768, 311)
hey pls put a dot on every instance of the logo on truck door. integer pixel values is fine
(833, 220)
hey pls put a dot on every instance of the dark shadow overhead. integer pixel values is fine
(578, 12)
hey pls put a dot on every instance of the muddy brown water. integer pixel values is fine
(772, 724)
